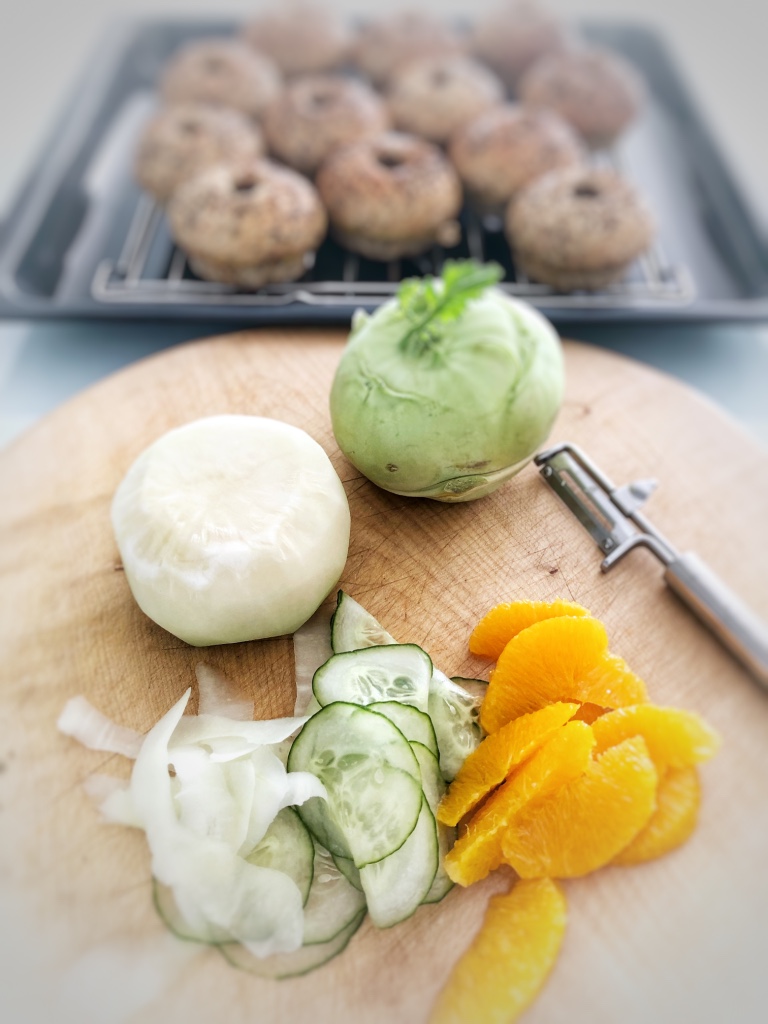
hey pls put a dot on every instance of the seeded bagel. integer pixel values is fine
(578, 228)
(507, 147)
(386, 43)
(390, 196)
(224, 72)
(514, 35)
(434, 96)
(248, 224)
(181, 140)
(598, 92)
(302, 37)
(316, 114)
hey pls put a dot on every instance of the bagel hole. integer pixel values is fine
(586, 191)
(214, 65)
(440, 78)
(321, 100)
(390, 160)
(245, 183)
(190, 127)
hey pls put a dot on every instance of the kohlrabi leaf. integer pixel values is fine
(429, 301)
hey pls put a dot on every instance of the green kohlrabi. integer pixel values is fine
(447, 390)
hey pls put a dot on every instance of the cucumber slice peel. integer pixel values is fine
(287, 846)
(333, 902)
(434, 787)
(348, 869)
(353, 628)
(291, 965)
(455, 716)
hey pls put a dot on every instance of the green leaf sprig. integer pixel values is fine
(427, 302)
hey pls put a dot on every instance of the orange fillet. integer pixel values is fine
(498, 626)
(550, 661)
(673, 821)
(504, 969)
(563, 758)
(675, 739)
(490, 763)
(585, 824)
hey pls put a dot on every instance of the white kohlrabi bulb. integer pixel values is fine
(231, 528)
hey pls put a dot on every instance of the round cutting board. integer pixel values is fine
(678, 939)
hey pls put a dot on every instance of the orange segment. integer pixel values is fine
(498, 626)
(675, 739)
(505, 967)
(490, 764)
(563, 758)
(673, 821)
(558, 659)
(588, 821)
(613, 684)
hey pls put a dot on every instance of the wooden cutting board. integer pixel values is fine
(676, 940)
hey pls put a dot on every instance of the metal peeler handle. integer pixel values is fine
(738, 628)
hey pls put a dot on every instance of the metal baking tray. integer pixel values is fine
(83, 241)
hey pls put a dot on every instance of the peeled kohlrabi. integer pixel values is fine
(231, 528)
(448, 390)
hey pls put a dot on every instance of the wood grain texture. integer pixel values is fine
(679, 939)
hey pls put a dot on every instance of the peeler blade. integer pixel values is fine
(587, 500)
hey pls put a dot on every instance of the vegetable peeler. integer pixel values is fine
(612, 517)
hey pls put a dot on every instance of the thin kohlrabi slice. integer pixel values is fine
(86, 724)
(206, 728)
(220, 696)
(113, 798)
(311, 648)
(212, 885)
(276, 788)
(333, 902)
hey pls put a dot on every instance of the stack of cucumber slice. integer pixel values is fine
(387, 731)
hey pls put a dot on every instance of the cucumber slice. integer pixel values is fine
(165, 905)
(372, 778)
(474, 687)
(353, 628)
(287, 846)
(398, 672)
(434, 787)
(412, 723)
(348, 869)
(455, 716)
(290, 965)
(396, 886)
(333, 902)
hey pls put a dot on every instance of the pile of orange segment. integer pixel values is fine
(578, 771)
